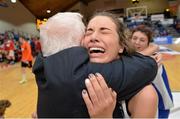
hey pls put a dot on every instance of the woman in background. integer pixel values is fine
(141, 38)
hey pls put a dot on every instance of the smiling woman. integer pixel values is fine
(105, 41)
(106, 33)
(100, 39)
(141, 38)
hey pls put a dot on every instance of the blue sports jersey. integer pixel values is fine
(162, 87)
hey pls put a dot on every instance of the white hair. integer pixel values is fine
(61, 31)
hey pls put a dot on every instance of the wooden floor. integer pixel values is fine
(173, 70)
(23, 96)
(172, 65)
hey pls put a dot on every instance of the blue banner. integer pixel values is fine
(163, 40)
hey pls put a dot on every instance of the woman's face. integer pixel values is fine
(139, 40)
(102, 40)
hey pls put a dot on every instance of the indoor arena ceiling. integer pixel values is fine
(39, 7)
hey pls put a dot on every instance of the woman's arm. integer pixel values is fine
(144, 104)
(158, 58)
(150, 50)
(100, 100)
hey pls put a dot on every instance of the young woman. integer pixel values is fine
(141, 38)
(105, 34)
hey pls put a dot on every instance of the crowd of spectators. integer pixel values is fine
(10, 50)
(158, 28)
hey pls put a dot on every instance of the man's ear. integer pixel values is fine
(82, 41)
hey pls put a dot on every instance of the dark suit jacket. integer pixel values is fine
(60, 80)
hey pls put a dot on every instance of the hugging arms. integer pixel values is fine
(60, 75)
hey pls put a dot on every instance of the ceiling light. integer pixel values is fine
(45, 19)
(13, 1)
(167, 10)
(48, 11)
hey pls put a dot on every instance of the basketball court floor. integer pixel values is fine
(23, 96)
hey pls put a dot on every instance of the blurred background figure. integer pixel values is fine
(26, 58)
(9, 46)
(3, 105)
(141, 39)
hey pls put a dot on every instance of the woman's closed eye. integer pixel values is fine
(134, 38)
(142, 40)
(88, 32)
(105, 31)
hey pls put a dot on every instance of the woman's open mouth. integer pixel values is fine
(96, 50)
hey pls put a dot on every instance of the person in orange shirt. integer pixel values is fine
(26, 59)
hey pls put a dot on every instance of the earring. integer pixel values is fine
(121, 50)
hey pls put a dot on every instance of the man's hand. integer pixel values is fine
(100, 100)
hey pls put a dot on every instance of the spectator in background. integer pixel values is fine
(1, 49)
(32, 44)
(10, 51)
(37, 46)
(1, 54)
(177, 26)
(141, 38)
(26, 59)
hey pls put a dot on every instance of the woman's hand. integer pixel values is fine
(100, 100)
(158, 58)
(34, 115)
